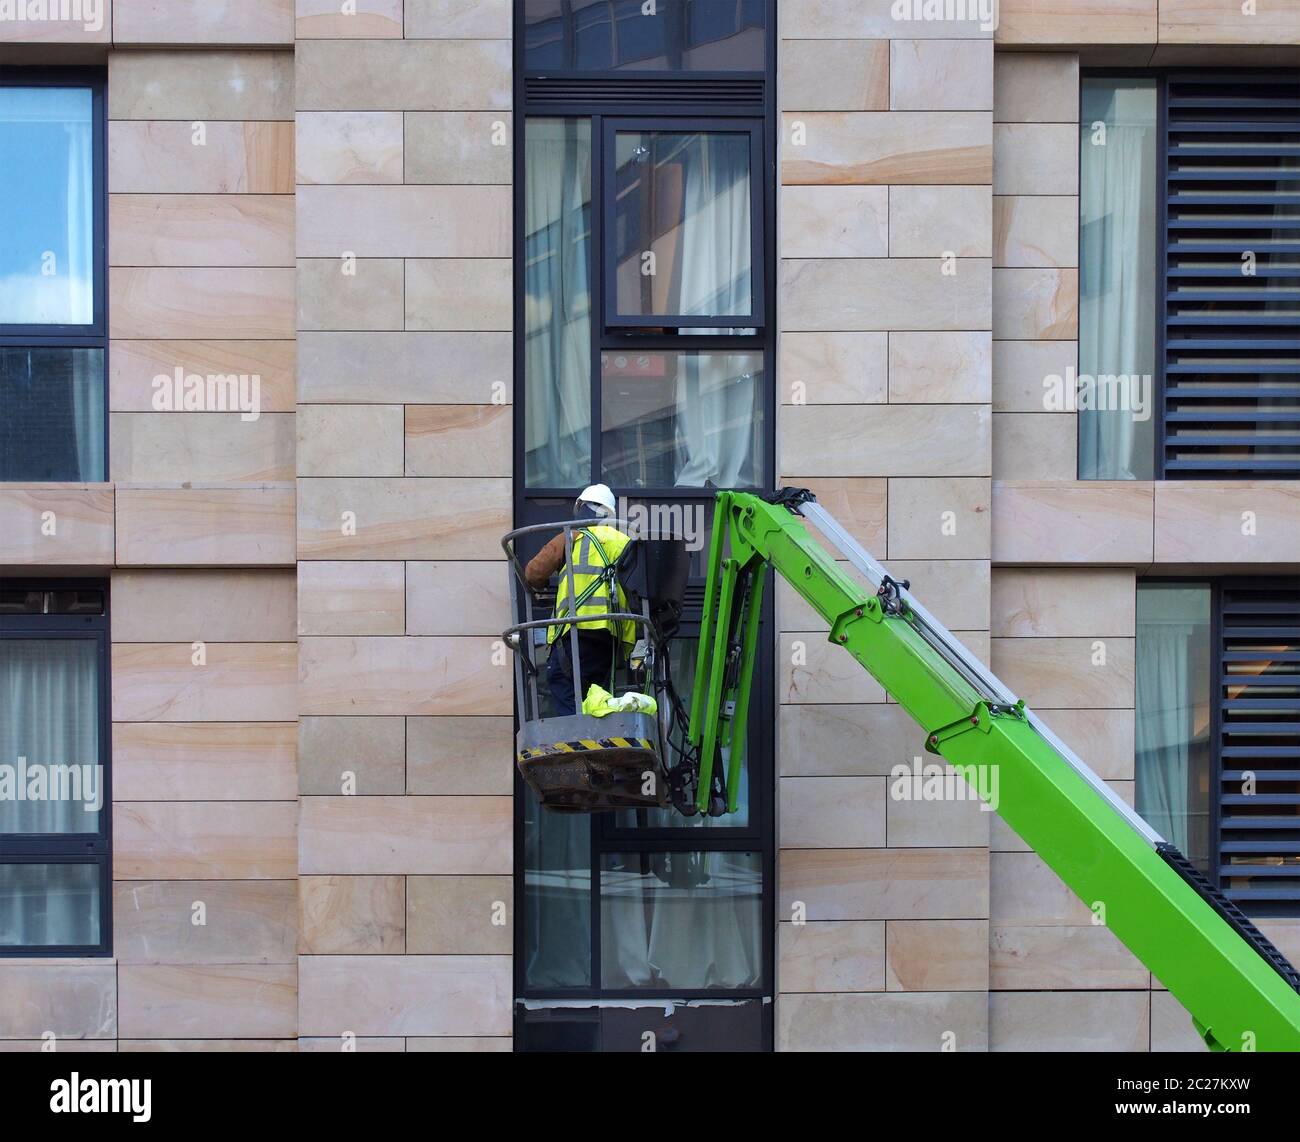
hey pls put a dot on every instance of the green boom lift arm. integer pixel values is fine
(1241, 992)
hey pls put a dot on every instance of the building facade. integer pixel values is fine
(303, 306)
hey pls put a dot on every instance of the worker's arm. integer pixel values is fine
(545, 563)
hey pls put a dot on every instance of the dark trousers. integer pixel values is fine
(595, 662)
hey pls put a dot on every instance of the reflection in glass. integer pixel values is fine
(681, 920)
(682, 235)
(1173, 714)
(557, 897)
(557, 302)
(677, 419)
(49, 904)
(46, 203)
(52, 428)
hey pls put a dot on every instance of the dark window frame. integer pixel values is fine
(94, 335)
(70, 848)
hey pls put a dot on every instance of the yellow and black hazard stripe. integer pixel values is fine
(586, 745)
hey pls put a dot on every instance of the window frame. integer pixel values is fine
(94, 335)
(70, 848)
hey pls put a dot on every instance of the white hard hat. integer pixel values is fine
(599, 495)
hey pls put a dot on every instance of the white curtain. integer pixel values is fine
(1118, 204)
(557, 887)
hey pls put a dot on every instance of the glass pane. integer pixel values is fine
(53, 424)
(50, 777)
(683, 244)
(680, 419)
(557, 302)
(49, 904)
(681, 920)
(46, 200)
(1173, 714)
(677, 35)
(1119, 199)
(557, 897)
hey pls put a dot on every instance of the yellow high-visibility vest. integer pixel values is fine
(591, 551)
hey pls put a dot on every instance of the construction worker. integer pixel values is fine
(597, 549)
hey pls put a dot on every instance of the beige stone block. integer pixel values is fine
(458, 19)
(191, 22)
(200, 230)
(1038, 304)
(881, 440)
(919, 824)
(362, 147)
(457, 598)
(886, 884)
(200, 85)
(190, 446)
(459, 294)
(1035, 446)
(459, 915)
(460, 1044)
(939, 221)
(72, 1000)
(1227, 22)
(411, 835)
(351, 756)
(1036, 87)
(368, 297)
(329, 20)
(832, 812)
(834, 368)
(200, 302)
(1095, 522)
(161, 157)
(1104, 743)
(405, 368)
(1077, 22)
(405, 995)
(937, 955)
(1059, 958)
(240, 526)
(135, 366)
(858, 505)
(940, 368)
(56, 525)
(1025, 892)
(1171, 1026)
(885, 293)
(246, 922)
(82, 1046)
(1245, 522)
(814, 670)
(939, 519)
(205, 840)
(839, 740)
(239, 1046)
(835, 221)
(834, 956)
(458, 756)
(1038, 230)
(887, 147)
(1035, 158)
(215, 606)
(404, 518)
(1061, 602)
(238, 681)
(213, 1000)
(1284, 933)
(1069, 1020)
(204, 761)
(352, 915)
(85, 23)
(1068, 671)
(956, 591)
(458, 440)
(917, 1021)
(940, 75)
(350, 439)
(871, 19)
(404, 221)
(351, 598)
(1023, 370)
(403, 75)
(821, 75)
(347, 1043)
(458, 147)
(424, 675)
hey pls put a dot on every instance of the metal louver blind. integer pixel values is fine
(1259, 733)
(1232, 338)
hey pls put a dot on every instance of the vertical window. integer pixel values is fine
(53, 335)
(54, 807)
